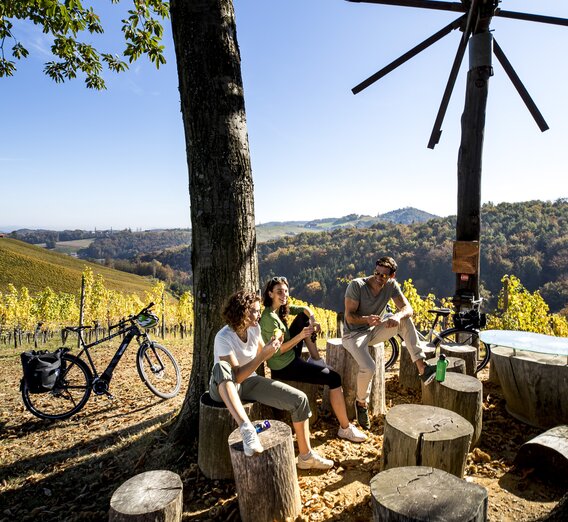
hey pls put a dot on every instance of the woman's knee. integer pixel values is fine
(301, 410)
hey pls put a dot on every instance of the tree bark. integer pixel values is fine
(223, 253)
(468, 224)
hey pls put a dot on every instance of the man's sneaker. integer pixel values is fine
(314, 461)
(352, 433)
(319, 362)
(251, 442)
(362, 416)
(428, 374)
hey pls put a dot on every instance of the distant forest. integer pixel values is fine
(528, 240)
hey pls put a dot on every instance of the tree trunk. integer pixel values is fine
(223, 256)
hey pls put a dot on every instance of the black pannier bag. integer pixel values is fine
(471, 318)
(41, 369)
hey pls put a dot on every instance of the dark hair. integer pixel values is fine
(237, 306)
(387, 262)
(284, 310)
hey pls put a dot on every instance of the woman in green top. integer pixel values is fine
(287, 364)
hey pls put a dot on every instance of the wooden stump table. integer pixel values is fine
(215, 425)
(460, 393)
(533, 385)
(267, 483)
(344, 364)
(418, 435)
(148, 497)
(408, 373)
(419, 493)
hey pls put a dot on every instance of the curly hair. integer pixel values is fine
(387, 262)
(284, 310)
(236, 308)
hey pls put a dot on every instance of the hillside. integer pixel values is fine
(27, 265)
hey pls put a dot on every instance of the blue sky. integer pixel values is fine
(75, 158)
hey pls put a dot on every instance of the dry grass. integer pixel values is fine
(67, 471)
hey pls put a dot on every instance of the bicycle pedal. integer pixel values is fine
(109, 396)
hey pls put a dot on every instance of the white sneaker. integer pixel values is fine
(314, 461)
(251, 442)
(319, 362)
(352, 433)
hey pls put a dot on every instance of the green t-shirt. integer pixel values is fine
(269, 320)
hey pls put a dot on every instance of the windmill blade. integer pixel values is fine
(437, 129)
(532, 17)
(531, 106)
(408, 55)
(426, 4)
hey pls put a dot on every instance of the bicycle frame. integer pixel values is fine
(101, 382)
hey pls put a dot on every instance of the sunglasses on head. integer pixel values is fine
(279, 279)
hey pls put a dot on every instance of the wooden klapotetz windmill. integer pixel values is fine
(474, 24)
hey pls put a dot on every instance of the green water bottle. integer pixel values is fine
(441, 366)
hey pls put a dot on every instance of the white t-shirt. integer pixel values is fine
(227, 342)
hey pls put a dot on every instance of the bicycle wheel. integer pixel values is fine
(70, 393)
(466, 337)
(158, 370)
(392, 350)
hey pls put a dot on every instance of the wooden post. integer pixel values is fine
(81, 310)
(468, 224)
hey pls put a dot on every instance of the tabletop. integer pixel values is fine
(527, 341)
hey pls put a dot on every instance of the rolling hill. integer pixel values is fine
(36, 268)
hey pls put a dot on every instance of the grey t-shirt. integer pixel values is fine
(369, 304)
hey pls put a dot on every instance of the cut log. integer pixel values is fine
(215, 425)
(455, 365)
(419, 493)
(460, 393)
(267, 483)
(344, 364)
(408, 373)
(532, 385)
(467, 353)
(547, 452)
(418, 435)
(150, 496)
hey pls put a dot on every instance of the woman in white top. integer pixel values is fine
(238, 352)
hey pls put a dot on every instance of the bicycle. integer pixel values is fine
(156, 367)
(464, 332)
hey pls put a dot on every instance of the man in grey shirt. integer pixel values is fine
(367, 324)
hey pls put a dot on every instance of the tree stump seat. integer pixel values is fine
(420, 493)
(460, 393)
(465, 352)
(215, 425)
(455, 364)
(408, 373)
(267, 483)
(419, 435)
(147, 497)
(343, 363)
